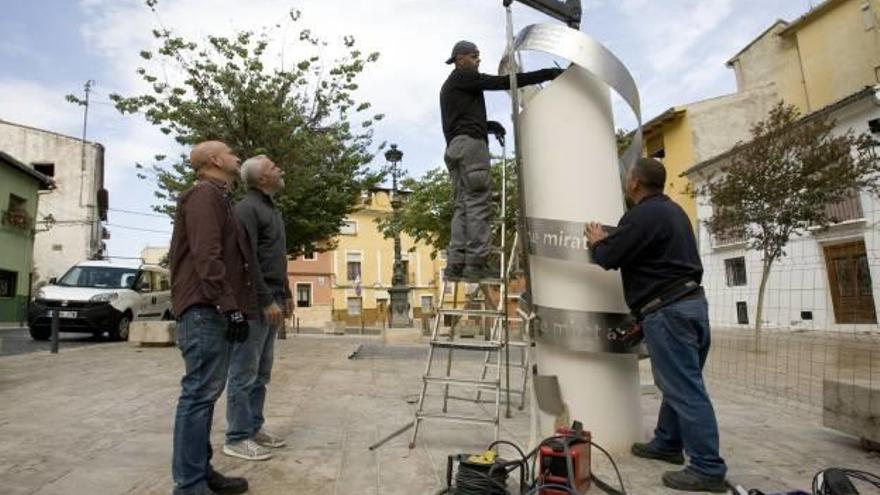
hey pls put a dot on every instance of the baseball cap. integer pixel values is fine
(462, 48)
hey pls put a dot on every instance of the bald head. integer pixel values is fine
(214, 158)
(201, 154)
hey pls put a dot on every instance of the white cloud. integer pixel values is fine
(40, 104)
(675, 48)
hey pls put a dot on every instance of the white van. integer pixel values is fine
(101, 296)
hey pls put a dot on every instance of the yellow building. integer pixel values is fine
(362, 264)
(831, 52)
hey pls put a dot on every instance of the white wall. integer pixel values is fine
(799, 281)
(76, 235)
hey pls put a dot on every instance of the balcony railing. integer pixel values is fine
(729, 238)
(847, 209)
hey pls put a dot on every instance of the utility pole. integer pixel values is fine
(91, 204)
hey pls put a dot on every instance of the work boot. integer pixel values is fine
(453, 272)
(689, 481)
(267, 439)
(248, 450)
(475, 273)
(222, 485)
(645, 450)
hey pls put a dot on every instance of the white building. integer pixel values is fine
(830, 278)
(69, 228)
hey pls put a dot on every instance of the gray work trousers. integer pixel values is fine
(467, 160)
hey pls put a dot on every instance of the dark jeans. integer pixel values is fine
(467, 160)
(249, 371)
(678, 342)
(201, 336)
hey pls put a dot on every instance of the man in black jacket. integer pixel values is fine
(250, 366)
(465, 128)
(655, 250)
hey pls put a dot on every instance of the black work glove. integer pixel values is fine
(237, 328)
(495, 128)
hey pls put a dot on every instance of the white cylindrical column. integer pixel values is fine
(571, 177)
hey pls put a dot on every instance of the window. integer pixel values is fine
(427, 304)
(47, 169)
(303, 295)
(349, 227)
(742, 313)
(310, 256)
(735, 269)
(164, 283)
(353, 267)
(16, 203)
(100, 277)
(354, 306)
(8, 281)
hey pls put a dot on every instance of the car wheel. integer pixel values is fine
(40, 333)
(122, 327)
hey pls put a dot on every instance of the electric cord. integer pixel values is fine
(821, 485)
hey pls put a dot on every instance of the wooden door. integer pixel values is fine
(850, 281)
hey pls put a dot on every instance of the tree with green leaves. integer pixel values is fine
(780, 184)
(426, 213)
(303, 115)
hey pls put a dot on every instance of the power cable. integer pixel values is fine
(132, 212)
(117, 226)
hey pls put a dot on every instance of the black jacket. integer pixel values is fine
(462, 105)
(265, 229)
(654, 247)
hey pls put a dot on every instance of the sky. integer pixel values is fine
(675, 49)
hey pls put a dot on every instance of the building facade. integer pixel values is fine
(829, 278)
(69, 219)
(822, 57)
(20, 191)
(826, 55)
(362, 263)
(311, 281)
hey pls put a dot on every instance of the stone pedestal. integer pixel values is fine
(152, 333)
(398, 336)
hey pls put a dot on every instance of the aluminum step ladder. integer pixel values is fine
(495, 344)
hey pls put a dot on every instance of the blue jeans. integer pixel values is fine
(250, 369)
(678, 342)
(201, 336)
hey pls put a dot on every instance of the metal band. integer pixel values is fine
(582, 330)
(558, 239)
(581, 49)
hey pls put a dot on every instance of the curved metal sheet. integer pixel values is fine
(581, 49)
(559, 239)
(586, 331)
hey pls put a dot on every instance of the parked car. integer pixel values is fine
(101, 296)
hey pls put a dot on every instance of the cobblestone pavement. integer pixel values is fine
(97, 420)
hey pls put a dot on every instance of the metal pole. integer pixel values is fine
(55, 325)
(522, 225)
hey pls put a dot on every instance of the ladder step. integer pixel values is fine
(482, 384)
(481, 345)
(451, 417)
(470, 312)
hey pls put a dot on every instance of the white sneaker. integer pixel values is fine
(248, 450)
(267, 439)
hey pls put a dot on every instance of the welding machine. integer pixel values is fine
(569, 447)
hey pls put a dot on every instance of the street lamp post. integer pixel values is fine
(399, 291)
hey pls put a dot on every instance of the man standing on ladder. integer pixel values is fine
(466, 130)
